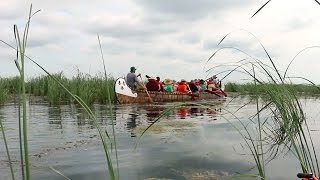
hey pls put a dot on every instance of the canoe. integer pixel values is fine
(125, 95)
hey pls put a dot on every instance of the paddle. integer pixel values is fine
(145, 88)
(212, 92)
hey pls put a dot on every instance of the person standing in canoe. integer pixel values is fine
(132, 79)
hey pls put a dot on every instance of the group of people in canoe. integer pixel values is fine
(168, 85)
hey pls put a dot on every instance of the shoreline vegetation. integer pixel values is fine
(95, 88)
(90, 88)
(252, 89)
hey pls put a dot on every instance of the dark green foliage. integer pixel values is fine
(250, 88)
(91, 89)
(4, 91)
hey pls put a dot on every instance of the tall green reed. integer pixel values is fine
(110, 107)
(21, 44)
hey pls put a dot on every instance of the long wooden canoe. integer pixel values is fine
(125, 95)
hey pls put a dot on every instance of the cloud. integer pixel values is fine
(188, 9)
(10, 10)
(298, 23)
(128, 29)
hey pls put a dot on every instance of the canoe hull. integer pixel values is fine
(142, 97)
(124, 95)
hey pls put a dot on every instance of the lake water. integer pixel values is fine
(190, 143)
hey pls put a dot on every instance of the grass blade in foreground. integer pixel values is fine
(7, 149)
(109, 99)
(21, 48)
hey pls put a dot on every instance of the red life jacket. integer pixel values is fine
(153, 85)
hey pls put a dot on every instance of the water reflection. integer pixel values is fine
(131, 122)
(182, 112)
(65, 138)
(152, 112)
(54, 114)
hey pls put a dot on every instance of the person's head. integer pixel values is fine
(152, 79)
(167, 81)
(132, 69)
(158, 78)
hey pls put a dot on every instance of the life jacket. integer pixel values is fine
(168, 88)
(153, 85)
(182, 87)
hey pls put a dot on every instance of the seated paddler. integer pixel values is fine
(182, 86)
(132, 79)
(153, 84)
(167, 85)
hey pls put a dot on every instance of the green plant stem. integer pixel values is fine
(7, 149)
(20, 137)
(109, 99)
(259, 143)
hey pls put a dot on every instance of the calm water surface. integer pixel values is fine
(191, 142)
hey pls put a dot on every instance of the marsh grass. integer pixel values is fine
(251, 88)
(4, 93)
(91, 89)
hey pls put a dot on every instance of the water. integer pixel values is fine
(191, 143)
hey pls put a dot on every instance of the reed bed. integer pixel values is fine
(251, 88)
(91, 89)
(4, 92)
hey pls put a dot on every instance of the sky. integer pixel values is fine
(167, 38)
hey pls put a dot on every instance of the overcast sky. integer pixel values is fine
(166, 38)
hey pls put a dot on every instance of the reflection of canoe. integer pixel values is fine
(126, 96)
